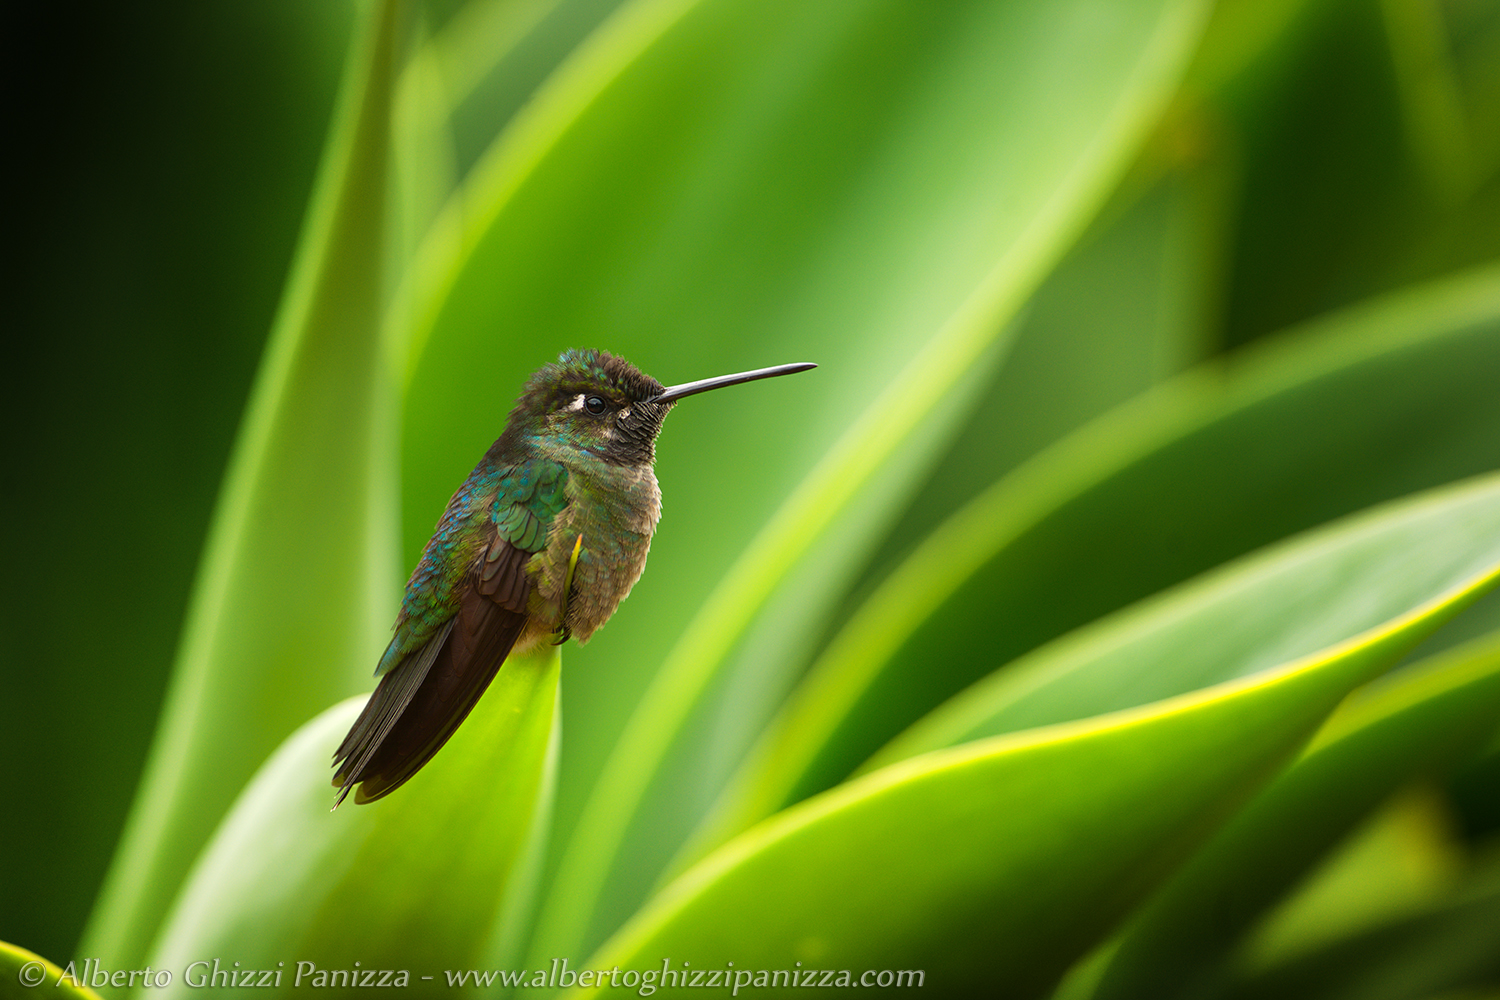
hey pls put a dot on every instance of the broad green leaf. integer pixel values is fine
(1406, 725)
(22, 972)
(1279, 608)
(294, 594)
(1361, 407)
(839, 183)
(1122, 311)
(434, 876)
(1011, 855)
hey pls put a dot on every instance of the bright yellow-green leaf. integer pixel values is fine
(1003, 860)
(23, 972)
(434, 876)
(1278, 606)
(1403, 726)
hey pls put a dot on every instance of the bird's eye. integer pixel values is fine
(594, 405)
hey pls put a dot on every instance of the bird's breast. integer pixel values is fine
(615, 512)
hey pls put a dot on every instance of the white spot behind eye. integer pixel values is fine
(624, 413)
(577, 403)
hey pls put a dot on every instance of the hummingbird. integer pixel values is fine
(542, 542)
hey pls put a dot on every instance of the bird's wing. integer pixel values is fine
(419, 704)
(530, 498)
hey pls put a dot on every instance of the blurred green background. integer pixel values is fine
(163, 157)
(1288, 159)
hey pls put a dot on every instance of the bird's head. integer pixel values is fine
(595, 403)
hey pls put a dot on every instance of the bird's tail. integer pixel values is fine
(420, 703)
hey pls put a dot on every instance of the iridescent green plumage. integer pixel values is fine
(542, 541)
(526, 499)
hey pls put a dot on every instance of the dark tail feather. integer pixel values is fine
(421, 702)
(385, 706)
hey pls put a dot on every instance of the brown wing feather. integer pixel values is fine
(418, 705)
(502, 576)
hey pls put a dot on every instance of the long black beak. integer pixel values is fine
(673, 393)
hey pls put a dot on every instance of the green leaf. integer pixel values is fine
(826, 171)
(1452, 949)
(294, 594)
(1121, 312)
(1431, 99)
(1404, 858)
(1124, 310)
(435, 876)
(480, 36)
(1409, 724)
(1012, 855)
(494, 55)
(1277, 605)
(22, 971)
(1355, 178)
(1240, 35)
(1361, 407)
(460, 87)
